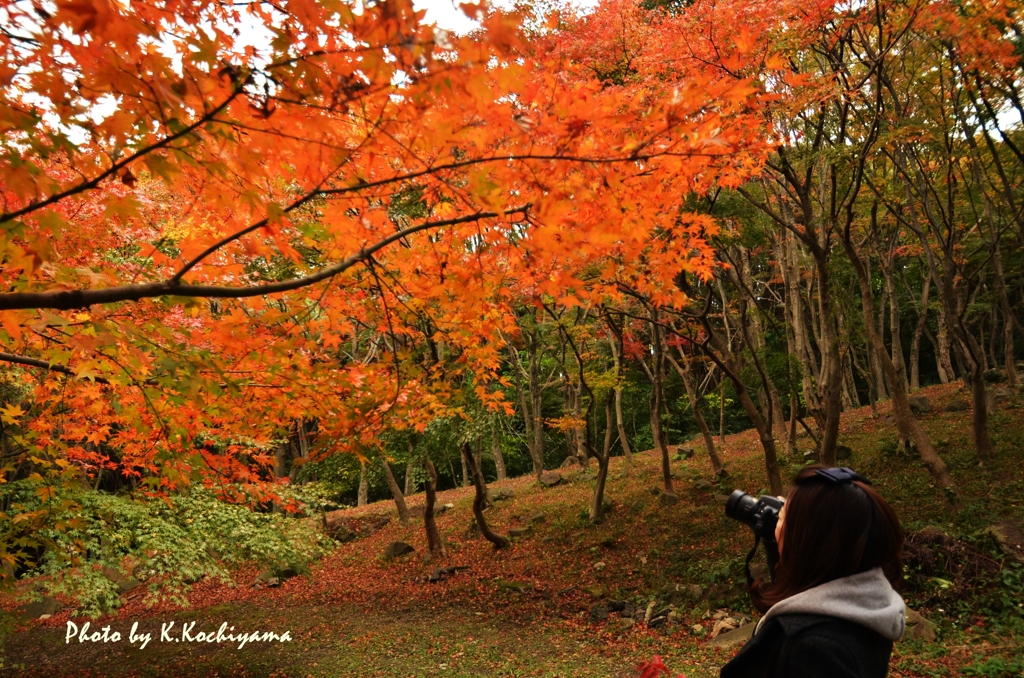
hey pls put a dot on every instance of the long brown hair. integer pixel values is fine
(831, 530)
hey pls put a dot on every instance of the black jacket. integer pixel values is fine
(811, 646)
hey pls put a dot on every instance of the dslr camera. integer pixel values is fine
(761, 515)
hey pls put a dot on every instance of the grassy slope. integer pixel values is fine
(516, 612)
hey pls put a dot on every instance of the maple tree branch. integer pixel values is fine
(113, 169)
(34, 362)
(66, 300)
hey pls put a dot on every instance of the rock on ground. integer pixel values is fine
(957, 406)
(919, 404)
(549, 479)
(668, 498)
(47, 606)
(735, 637)
(396, 549)
(918, 628)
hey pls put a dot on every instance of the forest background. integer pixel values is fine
(249, 284)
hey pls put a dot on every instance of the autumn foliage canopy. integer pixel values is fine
(222, 218)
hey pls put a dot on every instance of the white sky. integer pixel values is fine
(447, 15)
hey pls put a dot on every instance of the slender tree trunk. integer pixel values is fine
(597, 500)
(791, 350)
(686, 372)
(465, 472)
(531, 400)
(882, 384)
(727, 363)
(851, 398)
(795, 309)
(658, 397)
(906, 422)
(281, 461)
(537, 402)
(832, 368)
(499, 458)
(793, 407)
(993, 339)
(434, 542)
(895, 326)
(478, 454)
(968, 348)
(579, 435)
(944, 362)
(480, 500)
(410, 481)
(616, 346)
(364, 487)
(396, 492)
(409, 489)
(620, 422)
(721, 410)
(997, 258)
(1009, 363)
(301, 448)
(868, 377)
(915, 345)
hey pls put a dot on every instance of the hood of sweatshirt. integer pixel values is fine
(866, 598)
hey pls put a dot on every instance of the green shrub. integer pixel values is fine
(168, 543)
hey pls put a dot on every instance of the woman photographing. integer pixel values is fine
(830, 609)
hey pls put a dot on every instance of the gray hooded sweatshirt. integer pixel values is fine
(866, 598)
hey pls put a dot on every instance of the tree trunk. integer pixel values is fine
(478, 455)
(795, 312)
(868, 377)
(831, 391)
(597, 500)
(531, 400)
(465, 471)
(895, 325)
(906, 422)
(972, 354)
(616, 346)
(721, 410)
(364, 487)
(943, 361)
(410, 481)
(790, 350)
(396, 492)
(686, 372)
(537, 401)
(915, 345)
(620, 422)
(499, 458)
(480, 500)
(579, 435)
(882, 384)
(301, 448)
(434, 542)
(281, 461)
(657, 397)
(727, 363)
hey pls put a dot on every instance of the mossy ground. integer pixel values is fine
(523, 611)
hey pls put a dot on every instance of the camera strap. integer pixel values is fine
(750, 557)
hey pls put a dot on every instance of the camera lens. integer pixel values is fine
(740, 506)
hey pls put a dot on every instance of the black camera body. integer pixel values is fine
(761, 515)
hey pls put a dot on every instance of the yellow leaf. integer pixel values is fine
(9, 414)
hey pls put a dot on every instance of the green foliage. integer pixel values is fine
(996, 667)
(167, 544)
(334, 478)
